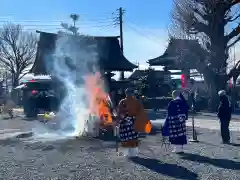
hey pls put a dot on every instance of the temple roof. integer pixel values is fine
(175, 49)
(109, 55)
(137, 74)
(140, 73)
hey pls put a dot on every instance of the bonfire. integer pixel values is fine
(99, 101)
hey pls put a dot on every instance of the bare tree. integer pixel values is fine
(17, 50)
(211, 20)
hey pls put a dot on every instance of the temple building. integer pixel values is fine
(108, 56)
(176, 56)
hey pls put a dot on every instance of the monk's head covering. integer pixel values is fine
(129, 92)
(176, 94)
(222, 93)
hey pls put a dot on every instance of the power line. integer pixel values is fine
(102, 29)
(231, 60)
(83, 22)
(139, 32)
(53, 26)
(88, 24)
(59, 28)
(82, 18)
(136, 24)
(97, 19)
(57, 24)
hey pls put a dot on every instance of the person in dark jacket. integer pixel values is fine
(224, 114)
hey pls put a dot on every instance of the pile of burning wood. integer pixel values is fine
(102, 115)
(100, 104)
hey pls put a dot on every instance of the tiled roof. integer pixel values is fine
(175, 49)
(109, 55)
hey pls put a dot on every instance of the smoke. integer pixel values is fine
(72, 59)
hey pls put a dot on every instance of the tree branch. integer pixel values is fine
(234, 42)
(231, 19)
(20, 77)
(233, 3)
(235, 71)
(233, 33)
(201, 14)
(17, 49)
(209, 17)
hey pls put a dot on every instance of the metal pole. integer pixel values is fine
(116, 134)
(194, 134)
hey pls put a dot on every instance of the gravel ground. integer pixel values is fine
(96, 159)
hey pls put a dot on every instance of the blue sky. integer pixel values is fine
(153, 13)
(145, 22)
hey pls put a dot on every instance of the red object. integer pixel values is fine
(231, 83)
(34, 92)
(183, 82)
(32, 80)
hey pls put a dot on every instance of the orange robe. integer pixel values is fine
(132, 107)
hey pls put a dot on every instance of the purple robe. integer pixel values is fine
(175, 123)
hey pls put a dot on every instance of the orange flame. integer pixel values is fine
(98, 98)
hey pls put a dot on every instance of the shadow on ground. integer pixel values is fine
(171, 170)
(15, 138)
(69, 145)
(8, 142)
(28, 118)
(10, 118)
(235, 144)
(221, 163)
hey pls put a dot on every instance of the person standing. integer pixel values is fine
(175, 124)
(224, 115)
(132, 121)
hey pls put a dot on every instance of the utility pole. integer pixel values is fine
(119, 21)
(6, 82)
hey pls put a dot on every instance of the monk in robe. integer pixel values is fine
(133, 120)
(175, 123)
